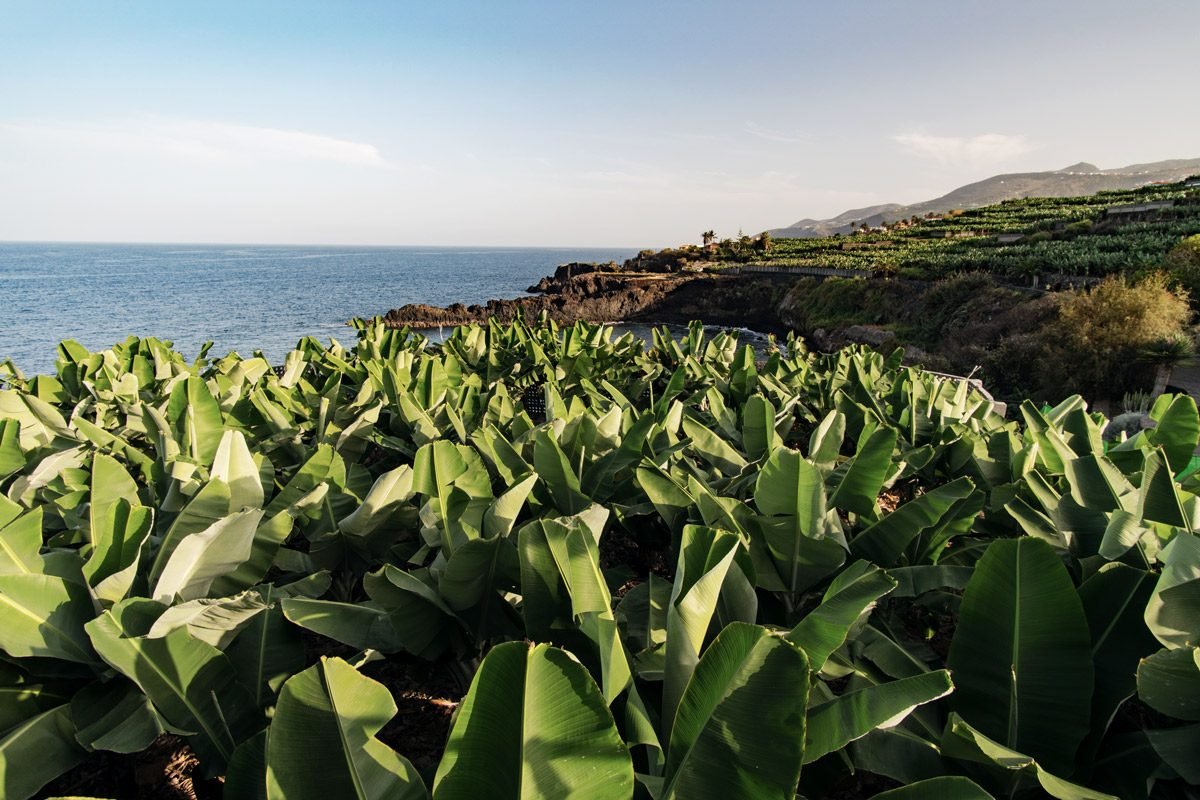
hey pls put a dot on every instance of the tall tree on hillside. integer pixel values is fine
(708, 237)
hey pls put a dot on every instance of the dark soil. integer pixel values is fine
(167, 770)
(931, 627)
(426, 696)
(646, 554)
(860, 785)
(316, 645)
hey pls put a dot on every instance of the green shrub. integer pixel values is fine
(1104, 331)
(1183, 263)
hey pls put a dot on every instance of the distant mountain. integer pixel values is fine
(1078, 179)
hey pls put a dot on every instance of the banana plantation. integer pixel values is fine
(679, 570)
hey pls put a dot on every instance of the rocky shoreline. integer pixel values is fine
(629, 293)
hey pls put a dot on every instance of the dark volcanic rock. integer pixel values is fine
(606, 293)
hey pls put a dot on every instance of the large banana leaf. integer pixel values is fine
(1178, 429)
(234, 464)
(533, 727)
(669, 498)
(390, 490)
(110, 483)
(1178, 747)
(475, 580)
(1173, 612)
(798, 534)
(1021, 655)
(867, 471)
(191, 684)
(740, 728)
(267, 651)
(851, 596)
(210, 505)
(12, 458)
(502, 514)
(196, 420)
(713, 449)
(947, 787)
(562, 584)
(920, 526)
(22, 696)
(20, 539)
(965, 742)
(358, 625)
(1114, 600)
(1169, 682)
(1158, 494)
(837, 722)
(44, 616)
(36, 752)
(422, 622)
(556, 472)
(119, 534)
(201, 558)
(213, 621)
(705, 559)
(116, 716)
(450, 476)
(759, 437)
(322, 742)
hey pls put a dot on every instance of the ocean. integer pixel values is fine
(243, 298)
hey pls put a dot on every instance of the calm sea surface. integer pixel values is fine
(242, 298)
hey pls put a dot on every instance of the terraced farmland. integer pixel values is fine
(1073, 236)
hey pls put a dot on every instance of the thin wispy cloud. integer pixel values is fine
(771, 134)
(204, 140)
(624, 178)
(973, 151)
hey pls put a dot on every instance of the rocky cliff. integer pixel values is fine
(607, 293)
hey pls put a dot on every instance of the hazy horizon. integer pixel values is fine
(545, 125)
(368, 245)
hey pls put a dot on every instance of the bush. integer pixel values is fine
(835, 302)
(1183, 263)
(1105, 330)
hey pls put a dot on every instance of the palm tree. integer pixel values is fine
(708, 237)
(1166, 355)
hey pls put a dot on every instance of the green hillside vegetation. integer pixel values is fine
(1086, 237)
(555, 563)
(1103, 341)
(960, 289)
(1074, 181)
(1072, 236)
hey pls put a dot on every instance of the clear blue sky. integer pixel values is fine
(559, 123)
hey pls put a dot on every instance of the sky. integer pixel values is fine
(559, 123)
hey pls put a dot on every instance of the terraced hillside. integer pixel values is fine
(1093, 236)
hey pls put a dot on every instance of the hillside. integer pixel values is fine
(1073, 181)
(1086, 236)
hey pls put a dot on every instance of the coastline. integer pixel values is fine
(608, 293)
